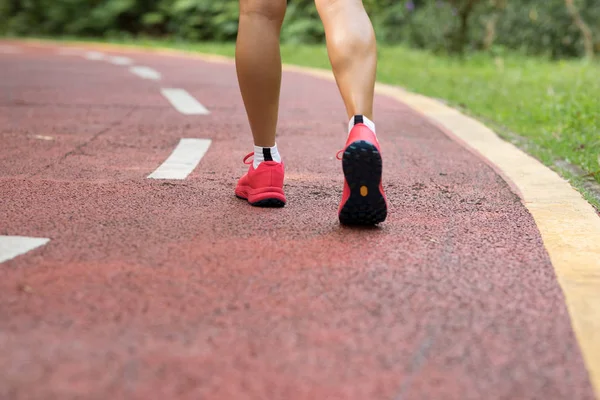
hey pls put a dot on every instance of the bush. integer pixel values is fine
(535, 26)
(545, 28)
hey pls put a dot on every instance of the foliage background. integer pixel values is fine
(540, 27)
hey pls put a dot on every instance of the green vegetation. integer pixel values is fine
(559, 28)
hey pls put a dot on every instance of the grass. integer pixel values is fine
(549, 109)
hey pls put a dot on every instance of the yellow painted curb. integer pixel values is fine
(569, 225)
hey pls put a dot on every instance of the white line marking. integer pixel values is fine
(13, 246)
(94, 55)
(69, 51)
(9, 49)
(120, 60)
(182, 160)
(145, 73)
(44, 137)
(184, 102)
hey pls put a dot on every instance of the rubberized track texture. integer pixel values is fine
(175, 289)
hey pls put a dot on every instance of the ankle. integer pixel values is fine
(361, 119)
(262, 154)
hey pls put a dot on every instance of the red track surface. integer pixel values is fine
(178, 290)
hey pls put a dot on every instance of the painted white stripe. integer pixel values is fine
(145, 73)
(94, 55)
(183, 160)
(13, 246)
(69, 51)
(120, 60)
(9, 49)
(184, 102)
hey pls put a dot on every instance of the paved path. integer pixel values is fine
(131, 271)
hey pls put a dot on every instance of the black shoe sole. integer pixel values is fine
(270, 203)
(362, 167)
(266, 203)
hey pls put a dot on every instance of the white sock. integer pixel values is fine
(265, 154)
(361, 119)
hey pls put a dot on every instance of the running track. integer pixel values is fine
(143, 277)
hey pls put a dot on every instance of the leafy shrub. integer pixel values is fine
(535, 26)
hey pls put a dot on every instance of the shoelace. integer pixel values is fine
(339, 154)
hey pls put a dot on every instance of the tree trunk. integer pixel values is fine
(462, 36)
(588, 39)
(490, 24)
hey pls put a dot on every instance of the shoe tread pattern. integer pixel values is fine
(362, 166)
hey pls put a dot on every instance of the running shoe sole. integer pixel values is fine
(266, 203)
(362, 166)
(270, 197)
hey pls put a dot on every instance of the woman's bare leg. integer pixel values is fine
(352, 51)
(258, 65)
